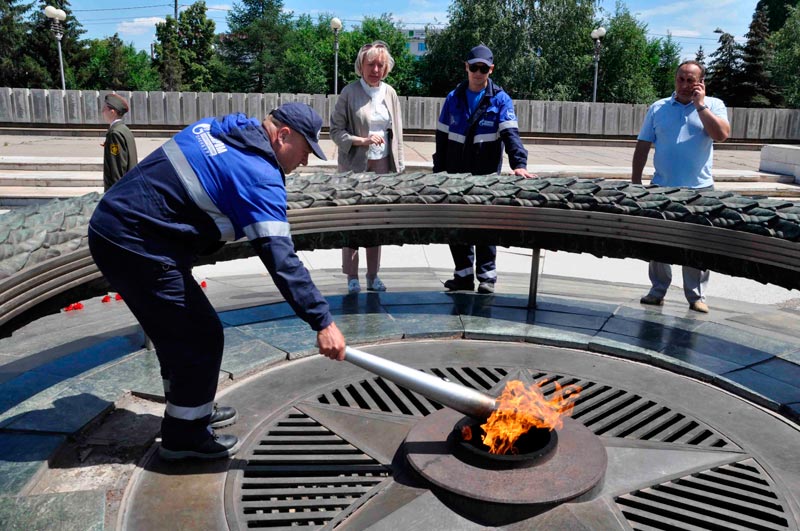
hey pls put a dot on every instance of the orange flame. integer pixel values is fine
(520, 409)
(466, 433)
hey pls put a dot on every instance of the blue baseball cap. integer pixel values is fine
(480, 54)
(303, 119)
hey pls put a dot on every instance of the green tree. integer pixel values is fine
(541, 48)
(777, 11)
(114, 65)
(13, 29)
(700, 56)
(251, 52)
(168, 54)
(628, 61)
(195, 37)
(758, 88)
(40, 52)
(665, 56)
(785, 63)
(306, 65)
(405, 75)
(724, 73)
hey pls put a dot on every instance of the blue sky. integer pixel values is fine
(692, 23)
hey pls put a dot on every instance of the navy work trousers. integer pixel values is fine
(483, 258)
(184, 328)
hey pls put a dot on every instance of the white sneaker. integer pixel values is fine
(375, 284)
(353, 286)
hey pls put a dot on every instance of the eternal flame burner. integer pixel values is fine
(571, 469)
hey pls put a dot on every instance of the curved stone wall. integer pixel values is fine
(43, 252)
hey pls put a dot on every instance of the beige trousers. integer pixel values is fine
(350, 256)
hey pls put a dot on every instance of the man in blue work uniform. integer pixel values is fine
(477, 119)
(219, 179)
(683, 129)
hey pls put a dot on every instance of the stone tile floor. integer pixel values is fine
(66, 371)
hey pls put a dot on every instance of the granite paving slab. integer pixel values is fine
(256, 314)
(138, 373)
(770, 320)
(707, 362)
(23, 388)
(781, 370)
(622, 344)
(559, 336)
(84, 510)
(758, 342)
(244, 355)
(22, 456)
(420, 321)
(654, 334)
(67, 412)
(774, 390)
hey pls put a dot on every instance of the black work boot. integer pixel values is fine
(214, 447)
(187, 439)
(222, 416)
(460, 284)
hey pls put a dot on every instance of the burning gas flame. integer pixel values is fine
(520, 409)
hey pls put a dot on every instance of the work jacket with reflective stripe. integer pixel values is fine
(217, 180)
(474, 143)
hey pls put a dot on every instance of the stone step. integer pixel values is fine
(51, 178)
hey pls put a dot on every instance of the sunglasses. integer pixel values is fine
(376, 44)
(474, 67)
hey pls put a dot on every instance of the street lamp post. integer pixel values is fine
(57, 16)
(336, 26)
(596, 35)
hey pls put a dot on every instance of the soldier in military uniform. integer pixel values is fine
(119, 149)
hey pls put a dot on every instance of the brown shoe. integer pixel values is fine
(699, 306)
(652, 300)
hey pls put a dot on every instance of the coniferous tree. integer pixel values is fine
(39, 56)
(758, 88)
(251, 51)
(777, 11)
(13, 29)
(724, 74)
(168, 54)
(195, 37)
(700, 56)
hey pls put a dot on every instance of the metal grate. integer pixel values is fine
(605, 410)
(302, 475)
(734, 496)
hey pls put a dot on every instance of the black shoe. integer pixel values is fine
(459, 284)
(222, 416)
(486, 288)
(215, 447)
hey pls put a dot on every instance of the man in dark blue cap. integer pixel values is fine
(220, 179)
(477, 119)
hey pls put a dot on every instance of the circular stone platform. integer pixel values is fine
(323, 446)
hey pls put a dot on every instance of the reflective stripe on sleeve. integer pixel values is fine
(196, 191)
(455, 137)
(189, 413)
(511, 124)
(264, 229)
(444, 128)
(487, 137)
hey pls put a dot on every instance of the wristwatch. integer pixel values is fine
(702, 107)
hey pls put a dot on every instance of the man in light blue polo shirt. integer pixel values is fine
(683, 128)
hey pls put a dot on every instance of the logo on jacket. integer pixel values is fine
(210, 145)
(114, 149)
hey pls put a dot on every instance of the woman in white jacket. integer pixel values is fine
(367, 128)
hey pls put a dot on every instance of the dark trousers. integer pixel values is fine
(185, 330)
(483, 258)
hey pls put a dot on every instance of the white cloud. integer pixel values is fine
(138, 26)
(220, 7)
(684, 33)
